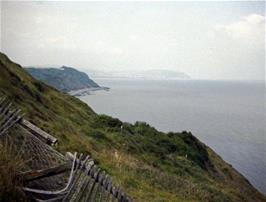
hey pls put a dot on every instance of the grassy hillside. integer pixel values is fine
(150, 165)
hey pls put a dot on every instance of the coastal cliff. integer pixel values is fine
(65, 79)
(149, 164)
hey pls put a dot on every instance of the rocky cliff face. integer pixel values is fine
(64, 79)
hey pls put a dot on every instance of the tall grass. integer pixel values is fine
(10, 182)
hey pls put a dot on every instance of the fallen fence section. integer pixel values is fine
(49, 175)
(38, 132)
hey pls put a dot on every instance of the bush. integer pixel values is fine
(102, 121)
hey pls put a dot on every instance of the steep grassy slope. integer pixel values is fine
(150, 165)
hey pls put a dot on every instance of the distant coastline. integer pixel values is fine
(86, 91)
(153, 74)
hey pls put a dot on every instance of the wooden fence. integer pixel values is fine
(48, 174)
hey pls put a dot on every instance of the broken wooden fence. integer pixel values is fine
(49, 175)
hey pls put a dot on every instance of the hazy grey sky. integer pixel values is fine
(207, 40)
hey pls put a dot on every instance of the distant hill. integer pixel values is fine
(165, 74)
(64, 79)
(153, 74)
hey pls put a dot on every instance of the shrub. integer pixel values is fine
(102, 121)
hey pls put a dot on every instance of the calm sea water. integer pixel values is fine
(227, 116)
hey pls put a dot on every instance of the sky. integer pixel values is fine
(206, 40)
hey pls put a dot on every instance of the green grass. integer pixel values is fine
(149, 164)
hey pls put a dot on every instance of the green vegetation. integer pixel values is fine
(10, 183)
(150, 165)
(64, 79)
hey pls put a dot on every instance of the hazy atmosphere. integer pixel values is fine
(132, 101)
(206, 40)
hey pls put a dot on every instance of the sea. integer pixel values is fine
(228, 116)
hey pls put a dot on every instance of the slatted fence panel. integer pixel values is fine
(83, 182)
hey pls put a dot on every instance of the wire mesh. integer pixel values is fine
(89, 183)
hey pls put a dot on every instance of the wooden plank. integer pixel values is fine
(101, 178)
(83, 188)
(118, 196)
(10, 124)
(94, 193)
(96, 173)
(106, 181)
(38, 174)
(5, 109)
(49, 139)
(109, 186)
(92, 171)
(76, 190)
(89, 189)
(2, 101)
(114, 191)
(3, 105)
(11, 116)
(79, 178)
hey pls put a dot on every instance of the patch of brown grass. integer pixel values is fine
(10, 183)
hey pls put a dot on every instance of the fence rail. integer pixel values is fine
(48, 174)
